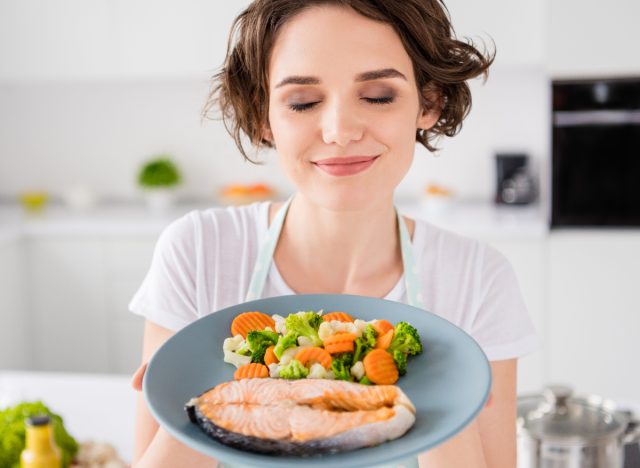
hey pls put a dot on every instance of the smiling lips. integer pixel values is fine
(345, 166)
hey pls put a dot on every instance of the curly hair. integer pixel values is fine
(441, 63)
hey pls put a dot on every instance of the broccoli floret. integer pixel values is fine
(365, 343)
(294, 370)
(284, 342)
(400, 359)
(305, 324)
(341, 365)
(405, 339)
(365, 381)
(258, 341)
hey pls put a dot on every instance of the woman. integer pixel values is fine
(342, 90)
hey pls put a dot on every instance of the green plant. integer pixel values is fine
(159, 172)
(12, 433)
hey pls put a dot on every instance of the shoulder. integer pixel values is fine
(447, 251)
(216, 223)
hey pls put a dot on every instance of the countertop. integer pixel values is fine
(475, 219)
(94, 407)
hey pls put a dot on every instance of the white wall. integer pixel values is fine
(96, 133)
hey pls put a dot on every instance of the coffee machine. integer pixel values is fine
(515, 184)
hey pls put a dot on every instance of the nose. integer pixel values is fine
(341, 124)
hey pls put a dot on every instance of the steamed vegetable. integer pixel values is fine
(365, 343)
(12, 433)
(294, 370)
(258, 343)
(251, 371)
(380, 367)
(305, 324)
(285, 342)
(405, 342)
(247, 321)
(341, 366)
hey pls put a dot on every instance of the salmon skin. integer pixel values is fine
(301, 417)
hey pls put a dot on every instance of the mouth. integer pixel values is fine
(344, 166)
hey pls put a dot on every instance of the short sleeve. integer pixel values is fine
(502, 325)
(167, 295)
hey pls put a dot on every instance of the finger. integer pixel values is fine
(136, 381)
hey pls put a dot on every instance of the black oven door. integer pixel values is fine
(596, 169)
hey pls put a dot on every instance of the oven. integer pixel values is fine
(595, 173)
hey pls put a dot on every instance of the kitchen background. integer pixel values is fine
(90, 90)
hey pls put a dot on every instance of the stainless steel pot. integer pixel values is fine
(560, 430)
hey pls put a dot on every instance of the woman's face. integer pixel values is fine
(343, 107)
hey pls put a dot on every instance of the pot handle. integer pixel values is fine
(632, 433)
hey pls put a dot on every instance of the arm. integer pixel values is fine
(153, 446)
(490, 440)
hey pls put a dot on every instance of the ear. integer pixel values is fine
(267, 134)
(429, 114)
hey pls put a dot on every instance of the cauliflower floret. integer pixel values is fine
(290, 353)
(304, 341)
(317, 371)
(357, 370)
(325, 330)
(274, 370)
(232, 344)
(235, 358)
(330, 375)
(360, 326)
(280, 328)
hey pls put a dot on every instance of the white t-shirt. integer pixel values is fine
(203, 262)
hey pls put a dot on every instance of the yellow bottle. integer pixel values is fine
(40, 449)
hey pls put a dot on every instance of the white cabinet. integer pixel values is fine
(594, 311)
(79, 294)
(592, 38)
(15, 339)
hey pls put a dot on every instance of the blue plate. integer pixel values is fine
(448, 383)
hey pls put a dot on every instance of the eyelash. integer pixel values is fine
(308, 105)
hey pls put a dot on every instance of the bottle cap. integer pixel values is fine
(38, 420)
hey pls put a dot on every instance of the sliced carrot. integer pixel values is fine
(339, 316)
(340, 343)
(251, 371)
(314, 353)
(342, 347)
(247, 321)
(382, 326)
(384, 341)
(380, 367)
(270, 357)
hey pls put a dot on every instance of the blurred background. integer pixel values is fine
(100, 109)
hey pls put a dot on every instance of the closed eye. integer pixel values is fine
(302, 107)
(380, 100)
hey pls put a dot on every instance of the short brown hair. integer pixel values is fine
(442, 64)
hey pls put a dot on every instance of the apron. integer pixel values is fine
(263, 264)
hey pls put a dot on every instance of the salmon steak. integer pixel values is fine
(301, 417)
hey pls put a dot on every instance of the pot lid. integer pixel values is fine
(560, 416)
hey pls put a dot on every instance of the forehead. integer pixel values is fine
(331, 42)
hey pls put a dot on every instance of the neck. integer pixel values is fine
(343, 249)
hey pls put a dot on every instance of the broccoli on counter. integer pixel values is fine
(405, 342)
(12, 433)
(258, 341)
(304, 324)
(365, 343)
(294, 370)
(341, 366)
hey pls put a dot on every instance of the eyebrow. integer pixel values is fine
(365, 76)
